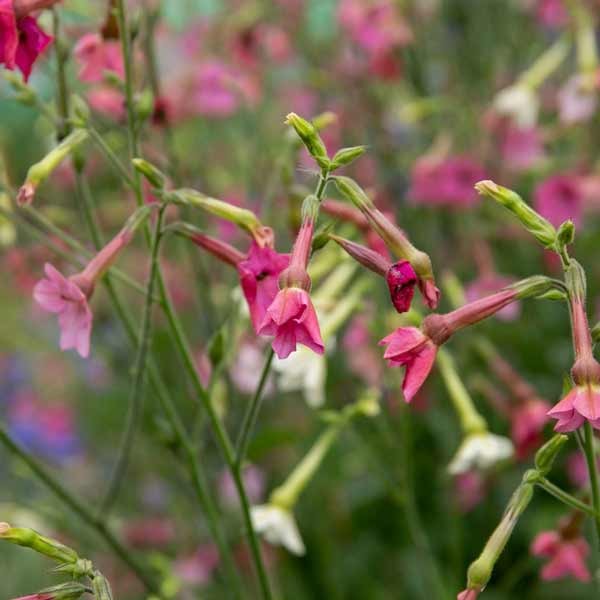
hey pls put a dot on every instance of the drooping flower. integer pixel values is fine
(446, 182)
(480, 451)
(21, 39)
(291, 318)
(559, 198)
(96, 55)
(519, 102)
(566, 555)
(278, 526)
(259, 273)
(401, 279)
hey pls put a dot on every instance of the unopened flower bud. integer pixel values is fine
(29, 538)
(539, 227)
(308, 134)
(144, 105)
(365, 256)
(566, 234)
(155, 177)
(101, 587)
(576, 281)
(534, 286)
(43, 169)
(401, 279)
(345, 156)
(544, 457)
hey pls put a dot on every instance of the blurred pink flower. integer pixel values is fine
(551, 13)
(246, 368)
(259, 274)
(527, 423)
(567, 555)
(446, 182)
(469, 490)
(60, 295)
(197, 569)
(559, 198)
(149, 532)
(468, 594)
(362, 358)
(521, 148)
(21, 39)
(108, 101)
(576, 102)
(254, 484)
(292, 319)
(96, 55)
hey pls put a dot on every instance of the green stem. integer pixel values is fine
(566, 498)
(111, 156)
(252, 413)
(63, 126)
(81, 509)
(590, 457)
(137, 390)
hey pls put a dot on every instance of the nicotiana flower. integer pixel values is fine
(520, 102)
(21, 39)
(196, 569)
(278, 526)
(291, 317)
(576, 102)
(559, 198)
(567, 553)
(68, 297)
(486, 284)
(480, 451)
(468, 594)
(521, 147)
(96, 55)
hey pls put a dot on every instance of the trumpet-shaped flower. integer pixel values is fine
(278, 526)
(581, 403)
(57, 294)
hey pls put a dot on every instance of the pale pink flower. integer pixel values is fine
(96, 55)
(468, 594)
(254, 484)
(469, 489)
(108, 101)
(527, 424)
(362, 358)
(566, 556)
(149, 532)
(197, 569)
(60, 295)
(446, 182)
(559, 198)
(576, 102)
(521, 147)
(246, 368)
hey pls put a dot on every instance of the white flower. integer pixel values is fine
(520, 102)
(306, 371)
(480, 451)
(278, 526)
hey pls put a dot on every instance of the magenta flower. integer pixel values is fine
(559, 198)
(521, 147)
(411, 348)
(566, 555)
(401, 279)
(447, 182)
(96, 55)
(259, 273)
(292, 319)
(60, 295)
(551, 13)
(21, 39)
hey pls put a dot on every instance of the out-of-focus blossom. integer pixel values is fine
(246, 368)
(487, 284)
(254, 484)
(151, 532)
(480, 451)
(96, 55)
(362, 358)
(469, 490)
(197, 569)
(527, 424)
(551, 13)
(521, 147)
(576, 102)
(468, 594)
(446, 182)
(278, 526)
(108, 101)
(559, 198)
(567, 555)
(519, 102)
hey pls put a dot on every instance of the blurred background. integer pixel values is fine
(426, 85)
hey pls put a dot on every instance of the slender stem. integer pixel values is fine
(63, 126)
(111, 156)
(252, 413)
(137, 389)
(590, 457)
(81, 509)
(566, 498)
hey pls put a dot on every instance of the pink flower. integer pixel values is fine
(559, 198)
(363, 360)
(259, 273)
(469, 489)
(96, 55)
(581, 403)
(521, 148)
(198, 568)
(401, 279)
(567, 555)
(469, 594)
(551, 13)
(21, 40)
(292, 319)
(254, 484)
(60, 295)
(149, 532)
(447, 182)
(107, 101)
(487, 284)
(411, 348)
(577, 103)
(41, 596)
(527, 424)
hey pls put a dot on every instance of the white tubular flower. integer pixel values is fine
(520, 102)
(480, 451)
(278, 526)
(303, 371)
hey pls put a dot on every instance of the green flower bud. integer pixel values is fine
(156, 178)
(311, 139)
(101, 587)
(539, 227)
(566, 234)
(65, 591)
(544, 457)
(144, 105)
(347, 155)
